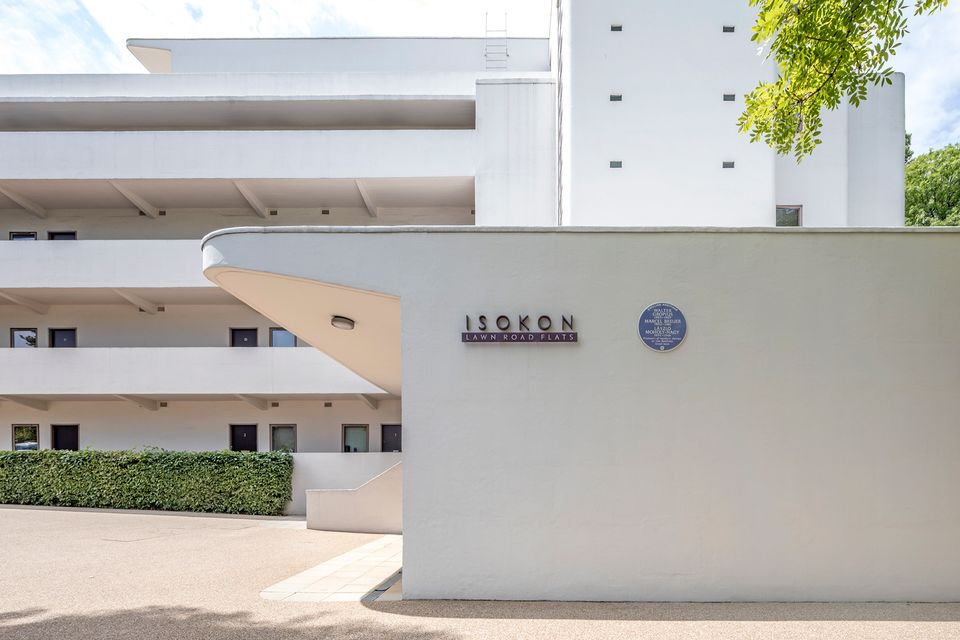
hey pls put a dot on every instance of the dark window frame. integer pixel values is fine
(13, 436)
(285, 424)
(22, 233)
(35, 330)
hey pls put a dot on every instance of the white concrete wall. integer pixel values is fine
(183, 371)
(374, 507)
(516, 162)
(79, 155)
(856, 177)
(875, 139)
(819, 183)
(202, 425)
(341, 54)
(802, 444)
(338, 471)
(94, 264)
(672, 131)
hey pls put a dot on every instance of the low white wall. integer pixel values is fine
(335, 471)
(374, 507)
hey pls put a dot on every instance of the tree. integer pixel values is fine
(933, 188)
(908, 149)
(827, 51)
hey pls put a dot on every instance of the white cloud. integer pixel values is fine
(930, 58)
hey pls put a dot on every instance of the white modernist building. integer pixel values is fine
(399, 192)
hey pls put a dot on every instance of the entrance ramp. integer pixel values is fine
(374, 507)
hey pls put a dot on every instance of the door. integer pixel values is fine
(243, 337)
(63, 338)
(390, 437)
(66, 437)
(355, 438)
(243, 437)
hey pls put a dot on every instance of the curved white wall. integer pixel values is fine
(802, 444)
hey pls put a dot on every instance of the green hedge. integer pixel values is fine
(218, 482)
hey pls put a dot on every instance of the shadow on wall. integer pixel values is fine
(676, 612)
(162, 623)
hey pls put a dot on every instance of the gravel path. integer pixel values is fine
(85, 574)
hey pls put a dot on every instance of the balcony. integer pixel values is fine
(33, 376)
(144, 273)
(93, 264)
(155, 155)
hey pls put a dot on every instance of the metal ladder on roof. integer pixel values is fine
(495, 54)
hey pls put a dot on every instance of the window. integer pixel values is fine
(616, 97)
(616, 27)
(729, 97)
(66, 437)
(243, 437)
(280, 337)
(63, 338)
(355, 438)
(283, 437)
(23, 235)
(61, 235)
(789, 216)
(26, 437)
(20, 338)
(729, 164)
(616, 164)
(243, 337)
(729, 29)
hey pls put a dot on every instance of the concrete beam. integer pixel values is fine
(258, 403)
(39, 405)
(139, 302)
(143, 403)
(258, 207)
(367, 200)
(33, 305)
(28, 205)
(370, 401)
(140, 203)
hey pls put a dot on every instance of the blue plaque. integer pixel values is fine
(662, 327)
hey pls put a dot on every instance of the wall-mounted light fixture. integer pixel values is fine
(342, 322)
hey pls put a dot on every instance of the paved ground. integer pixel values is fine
(79, 574)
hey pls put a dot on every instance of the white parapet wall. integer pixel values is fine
(376, 506)
(334, 471)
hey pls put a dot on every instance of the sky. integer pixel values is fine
(88, 36)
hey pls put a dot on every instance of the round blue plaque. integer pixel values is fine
(662, 327)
